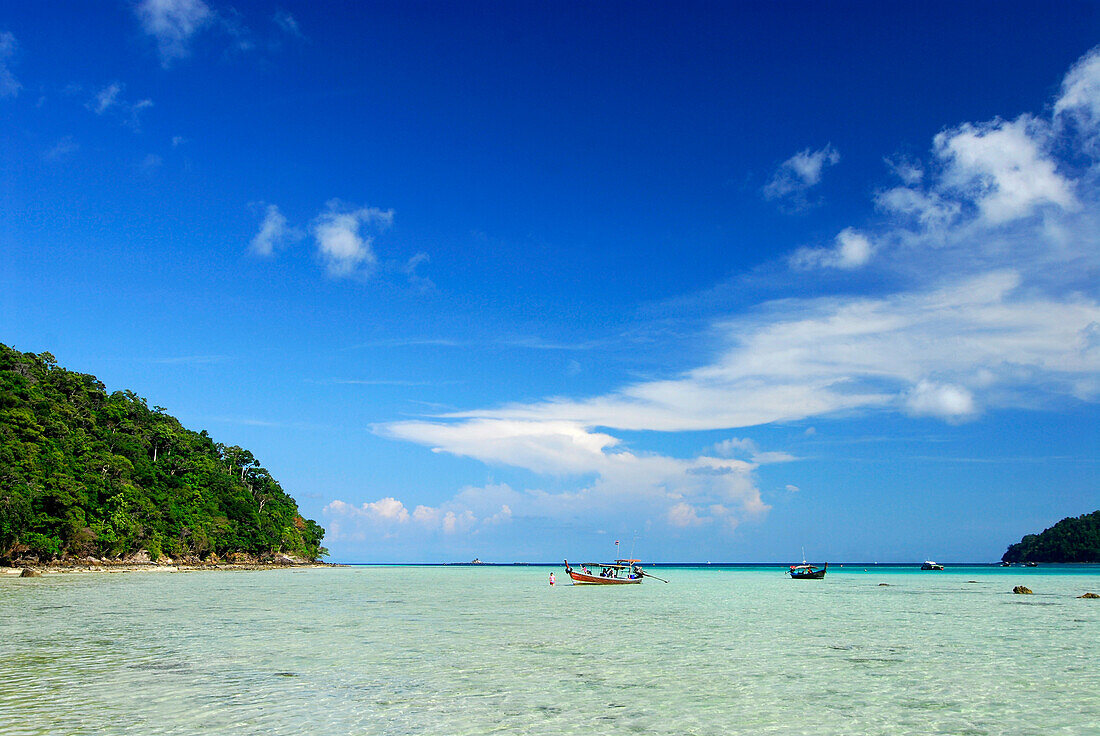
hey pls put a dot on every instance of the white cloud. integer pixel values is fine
(997, 251)
(274, 233)
(684, 515)
(746, 447)
(1003, 168)
(387, 509)
(67, 145)
(457, 522)
(793, 488)
(110, 100)
(9, 85)
(173, 23)
(929, 209)
(620, 479)
(501, 517)
(343, 248)
(796, 359)
(1080, 99)
(799, 173)
(945, 401)
(422, 283)
(910, 172)
(151, 163)
(852, 250)
(287, 23)
(106, 98)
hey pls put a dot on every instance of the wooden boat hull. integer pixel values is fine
(807, 573)
(579, 578)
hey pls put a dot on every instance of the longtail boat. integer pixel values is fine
(619, 572)
(806, 571)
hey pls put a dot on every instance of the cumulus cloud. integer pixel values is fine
(173, 24)
(619, 477)
(274, 233)
(684, 515)
(9, 85)
(389, 516)
(852, 250)
(799, 173)
(341, 244)
(945, 401)
(1002, 167)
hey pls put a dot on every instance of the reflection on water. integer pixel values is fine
(482, 650)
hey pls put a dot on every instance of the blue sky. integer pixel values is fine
(517, 280)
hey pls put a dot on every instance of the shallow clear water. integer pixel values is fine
(459, 650)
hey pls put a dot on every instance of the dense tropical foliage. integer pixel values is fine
(86, 472)
(1070, 540)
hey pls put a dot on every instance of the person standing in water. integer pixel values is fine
(551, 578)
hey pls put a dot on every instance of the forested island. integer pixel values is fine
(87, 473)
(1070, 540)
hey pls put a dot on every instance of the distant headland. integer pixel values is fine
(93, 477)
(1073, 539)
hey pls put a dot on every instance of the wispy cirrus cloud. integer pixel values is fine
(176, 25)
(798, 174)
(62, 149)
(110, 101)
(173, 24)
(274, 233)
(9, 85)
(288, 24)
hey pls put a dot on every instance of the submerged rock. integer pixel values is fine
(1021, 590)
(884, 585)
(1089, 595)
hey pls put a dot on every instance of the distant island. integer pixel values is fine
(1070, 540)
(90, 474)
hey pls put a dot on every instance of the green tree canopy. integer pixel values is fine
(86, 472)
(1070, 540)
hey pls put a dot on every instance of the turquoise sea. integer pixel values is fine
(482, 650)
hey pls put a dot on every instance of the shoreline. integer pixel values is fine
(82, 568)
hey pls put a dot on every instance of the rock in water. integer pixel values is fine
(29, 573)
(1089, 595)
(1021, 590)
